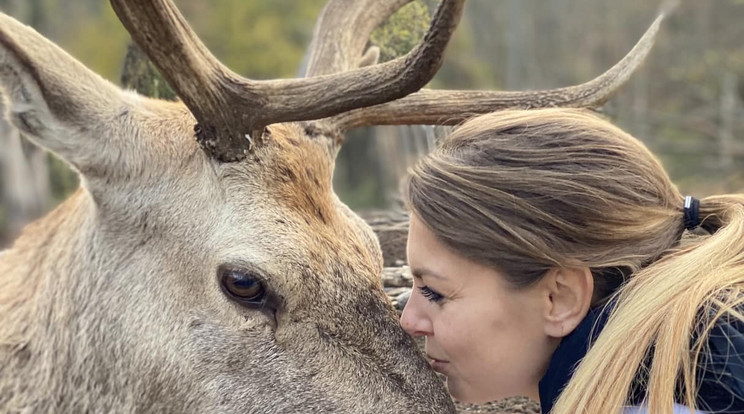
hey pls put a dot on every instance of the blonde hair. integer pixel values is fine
(527, 190)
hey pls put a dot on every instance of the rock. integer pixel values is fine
(394, 292)
(391, 228)
(402, 299)
(397, 277)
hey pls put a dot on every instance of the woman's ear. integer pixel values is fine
(568, 298)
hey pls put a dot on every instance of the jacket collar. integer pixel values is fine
(720, 383)
(568, 355)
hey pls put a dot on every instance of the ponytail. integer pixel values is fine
(686, 294)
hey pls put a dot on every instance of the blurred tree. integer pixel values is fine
(142, 76)
(258, 39)
(24, 171)
(403, 31)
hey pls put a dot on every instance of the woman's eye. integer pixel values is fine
(429, 294)
(242, 286)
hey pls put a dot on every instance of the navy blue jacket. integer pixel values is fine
(721, 378)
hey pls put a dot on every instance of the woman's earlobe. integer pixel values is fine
(570, 291)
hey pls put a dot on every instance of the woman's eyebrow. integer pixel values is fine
(419, 272)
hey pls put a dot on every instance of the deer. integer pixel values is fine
(205, 263)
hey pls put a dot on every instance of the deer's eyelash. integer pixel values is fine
(430, 295)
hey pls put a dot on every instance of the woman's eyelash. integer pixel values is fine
(430, 295)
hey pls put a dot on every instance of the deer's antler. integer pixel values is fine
(343, 30)
(231, 109)
(447, 107)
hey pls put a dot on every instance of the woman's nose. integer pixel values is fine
(414, 319)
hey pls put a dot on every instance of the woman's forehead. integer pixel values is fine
(431, 259)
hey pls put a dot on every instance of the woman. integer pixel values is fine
(533, 231)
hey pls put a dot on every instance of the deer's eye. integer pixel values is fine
(242, 286)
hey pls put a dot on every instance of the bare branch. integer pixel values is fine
(448, 107)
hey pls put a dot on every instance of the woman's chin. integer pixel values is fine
(465, 395)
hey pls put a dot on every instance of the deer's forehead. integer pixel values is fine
(299, 180)
(289, 180)
(298, 174)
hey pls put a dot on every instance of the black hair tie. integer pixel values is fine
(692, 212)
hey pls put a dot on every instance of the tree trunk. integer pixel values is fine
(25, 186)
(24, 169)
(141, 75)
(727, 121)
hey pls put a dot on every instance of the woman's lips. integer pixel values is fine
(437, 364)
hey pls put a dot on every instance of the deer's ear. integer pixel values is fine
(56, 101)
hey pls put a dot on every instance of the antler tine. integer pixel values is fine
(229, 107)
(342, 31)
(448, 107)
